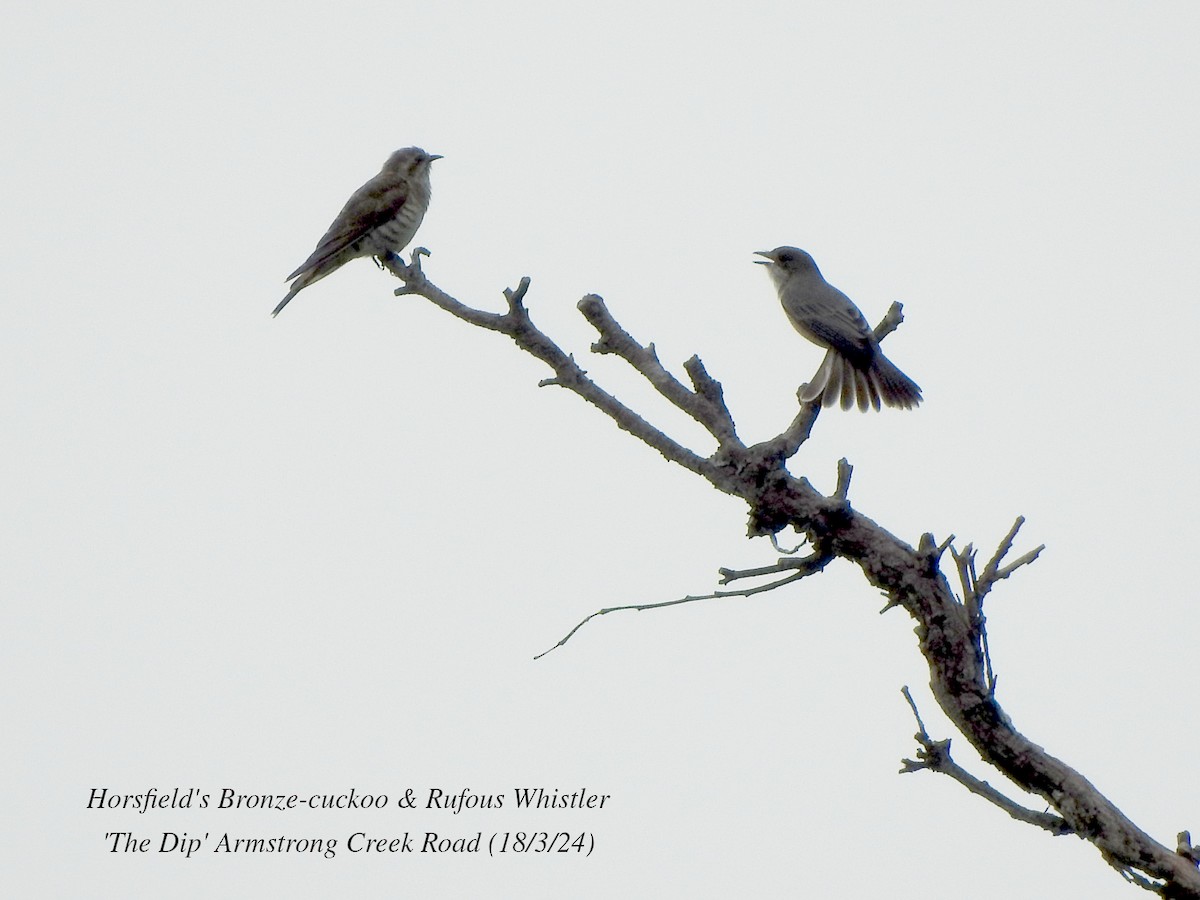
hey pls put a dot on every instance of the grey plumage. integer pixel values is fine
(379, 219)
(854, 369)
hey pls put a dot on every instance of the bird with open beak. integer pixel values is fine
(854, 369)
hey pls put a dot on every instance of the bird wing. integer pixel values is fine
(370, 206)
(827, 316)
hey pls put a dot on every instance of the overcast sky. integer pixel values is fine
(315, 553)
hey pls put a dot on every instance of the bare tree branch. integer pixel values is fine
(692, 598)
(951, 635)
(517, 324)
(975, 588)
(935, 756)
(705, 404)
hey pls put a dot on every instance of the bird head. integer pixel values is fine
(786, 262)
(411, 162)
(790, 259)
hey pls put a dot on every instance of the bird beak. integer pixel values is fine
(770, 257)
(433, 156)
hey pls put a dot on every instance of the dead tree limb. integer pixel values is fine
(951, 634)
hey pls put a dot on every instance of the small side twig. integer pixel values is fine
(807, 565)
(516, 296)
(975, 588)
(935, 756)
(410, 274)
(640, 607)
(994, 572)
(1185, 848)
(799, 568)
(784, 550)
(844, 473)
(890, 322)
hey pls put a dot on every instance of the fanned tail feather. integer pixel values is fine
(848, 384)
(895, 388)
(839, 381)
(816, 385)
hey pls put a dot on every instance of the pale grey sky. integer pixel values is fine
(318, 552)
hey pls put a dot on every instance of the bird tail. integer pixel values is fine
(284, 302)
(826, 384)
(895, 388)
(308, 277)
(838, 380)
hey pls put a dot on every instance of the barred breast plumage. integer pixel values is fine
(379, 219)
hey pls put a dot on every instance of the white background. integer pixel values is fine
(319, 552)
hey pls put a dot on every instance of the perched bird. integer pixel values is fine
(379, 219)
(854, 369)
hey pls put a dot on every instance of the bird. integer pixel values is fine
(379, 219)
(854, 368)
